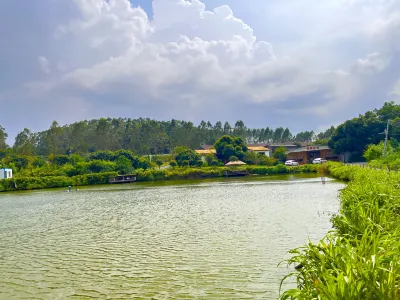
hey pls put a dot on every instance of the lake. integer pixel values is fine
(212, 239)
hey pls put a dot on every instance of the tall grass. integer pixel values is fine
(360, 258)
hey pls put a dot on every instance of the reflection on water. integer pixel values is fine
(204, 240)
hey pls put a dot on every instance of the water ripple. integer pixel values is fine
(213, 240)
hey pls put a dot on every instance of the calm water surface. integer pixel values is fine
(195, 240)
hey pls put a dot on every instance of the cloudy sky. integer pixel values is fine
(304, 64)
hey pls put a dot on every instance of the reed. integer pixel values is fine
(360, 257)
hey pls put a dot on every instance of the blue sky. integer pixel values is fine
(296, 63)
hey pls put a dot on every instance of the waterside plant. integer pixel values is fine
(360, 257)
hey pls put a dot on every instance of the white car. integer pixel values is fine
(291, 163)
(319, 161)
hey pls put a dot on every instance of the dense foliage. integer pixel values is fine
(186, 157)
(356, 134)
(142, 136)
(360, 259)
(280, 154)
(228, 146)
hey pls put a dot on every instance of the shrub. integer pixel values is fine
(59, 160)
(360, 259)
(99, 166)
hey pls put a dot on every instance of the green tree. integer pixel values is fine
(173, 163)
(123, 165)
(99, 166)
(159, 163)
(356, 134)
(280, 154)
(3, 138)
(286, 135)
(228, 146)
(59, 160)
(278, 134)
(240, 129)
(374, 152)
(327, 134)
(253, 158)
(214, 163)
(233, 158)
(209, 158)
(25, 142)
(185, 156)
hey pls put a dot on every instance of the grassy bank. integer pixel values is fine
(360, 258)
(41, 182)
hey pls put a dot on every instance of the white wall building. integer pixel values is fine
(259, 149)
(5, 173)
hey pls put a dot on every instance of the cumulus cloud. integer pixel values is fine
(109, 58)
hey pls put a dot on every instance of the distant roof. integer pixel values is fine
(235, 163)
(280, 145)
(257, 148)
(309, 148)
(206, 147)
(205, 151)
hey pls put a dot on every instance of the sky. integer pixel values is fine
(300, 64)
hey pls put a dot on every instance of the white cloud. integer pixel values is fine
(386, 31)
(44, 64)
(372, 64)
(207, 53)
(108, 58)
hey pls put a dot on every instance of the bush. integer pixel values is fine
(100, 166)
(102, 155)
(214, 163)
(30, 183)
(59, 160)
(123, 165)
(360, 259)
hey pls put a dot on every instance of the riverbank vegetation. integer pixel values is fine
(35, 172)
(143, 136)
(360, 258)
(59, 178)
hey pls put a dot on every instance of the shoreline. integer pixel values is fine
(38, 183)
(348, 263)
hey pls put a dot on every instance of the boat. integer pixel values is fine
(236, 173)
(123, 179)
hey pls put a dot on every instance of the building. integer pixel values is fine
(204, 152)
(5, 173)
(306, 154)
(259, 149)
(273, 146)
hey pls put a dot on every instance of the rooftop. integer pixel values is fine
(205, 151)
(257, 148)
(309, 148)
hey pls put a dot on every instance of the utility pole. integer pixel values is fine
(386, 138)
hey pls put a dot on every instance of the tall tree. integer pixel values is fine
(278, 134)
(286, 135)
(25, 142)
(3, 138)
(227, 128)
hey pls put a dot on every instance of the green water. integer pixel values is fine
(217, 239)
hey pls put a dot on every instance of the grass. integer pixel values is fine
(360, 258)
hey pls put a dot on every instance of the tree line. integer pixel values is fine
(147, 136)
(143, 136)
